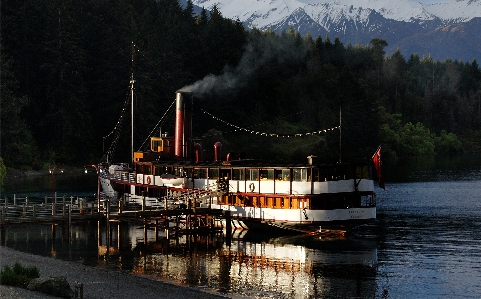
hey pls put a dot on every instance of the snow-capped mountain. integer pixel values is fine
(358, 21)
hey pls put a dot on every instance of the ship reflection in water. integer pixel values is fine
(248, 265)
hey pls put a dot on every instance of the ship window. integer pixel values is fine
(334, 174)
(266, 174)
(278, 174)
(238, 174)
(368, 201)
(299, 174)
(315, 174)
(199, 173)
(179, 171)
(286, 174)
(147, 169)
(362, 172)
(188, 172)
(213, 173)
(156, 145)
(252, 175)
(226, 173)
(255, 174)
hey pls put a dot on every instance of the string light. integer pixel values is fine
(237, 128)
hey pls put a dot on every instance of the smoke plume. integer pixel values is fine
(260, 50)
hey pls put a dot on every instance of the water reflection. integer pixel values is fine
(250, 265)
(40, 184)
(434, 168)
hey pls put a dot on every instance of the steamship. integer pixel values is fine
(258, 194)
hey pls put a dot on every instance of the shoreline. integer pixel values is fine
(98, 283)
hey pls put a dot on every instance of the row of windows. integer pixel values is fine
(335, 201)
(248, 174)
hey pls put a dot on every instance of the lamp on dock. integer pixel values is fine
(97, 170)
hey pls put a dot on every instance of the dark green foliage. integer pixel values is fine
(18, 275)
(17, 144)
(448, 143)
(66, 67)
(3, 173)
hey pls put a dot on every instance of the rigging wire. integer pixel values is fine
(116, 131)
(158, 123)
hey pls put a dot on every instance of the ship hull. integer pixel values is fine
(300, 220)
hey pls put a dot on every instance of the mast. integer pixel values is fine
(132, 81)
(340, 133)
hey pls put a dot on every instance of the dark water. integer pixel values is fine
(425, 244)
(429, 229)
(73, 182)
(430, 240)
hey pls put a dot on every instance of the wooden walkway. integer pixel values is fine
(22, 211)
(27, 210)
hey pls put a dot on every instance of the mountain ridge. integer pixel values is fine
(401, 23)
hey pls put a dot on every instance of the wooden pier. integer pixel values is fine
(26, 210)
(194, 220)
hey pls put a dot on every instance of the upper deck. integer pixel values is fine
(251, 176)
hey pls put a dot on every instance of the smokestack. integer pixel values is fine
(183, 125)
(217, 149)
(198, 152)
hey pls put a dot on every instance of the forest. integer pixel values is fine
(66, 68)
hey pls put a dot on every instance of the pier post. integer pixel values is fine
(145, 230)
(79, 290)
(211, 223)
(177, 223)
(26, 200)
(3, 214)
(108, 209)
(6, 201)
(24, 209)
(63, 206)
(34, 212)
(228, 227)
(69, 217)
(121, 202)
(14, 200)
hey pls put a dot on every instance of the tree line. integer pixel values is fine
(67, 65)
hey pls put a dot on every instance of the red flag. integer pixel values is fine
(378, 165)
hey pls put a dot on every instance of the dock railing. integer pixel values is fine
(25, 209)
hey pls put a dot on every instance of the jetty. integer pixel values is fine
(178, 220)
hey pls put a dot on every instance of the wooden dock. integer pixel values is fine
(24, 211)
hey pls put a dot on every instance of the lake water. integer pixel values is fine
(425, 244)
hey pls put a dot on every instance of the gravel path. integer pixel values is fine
(98, 283)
